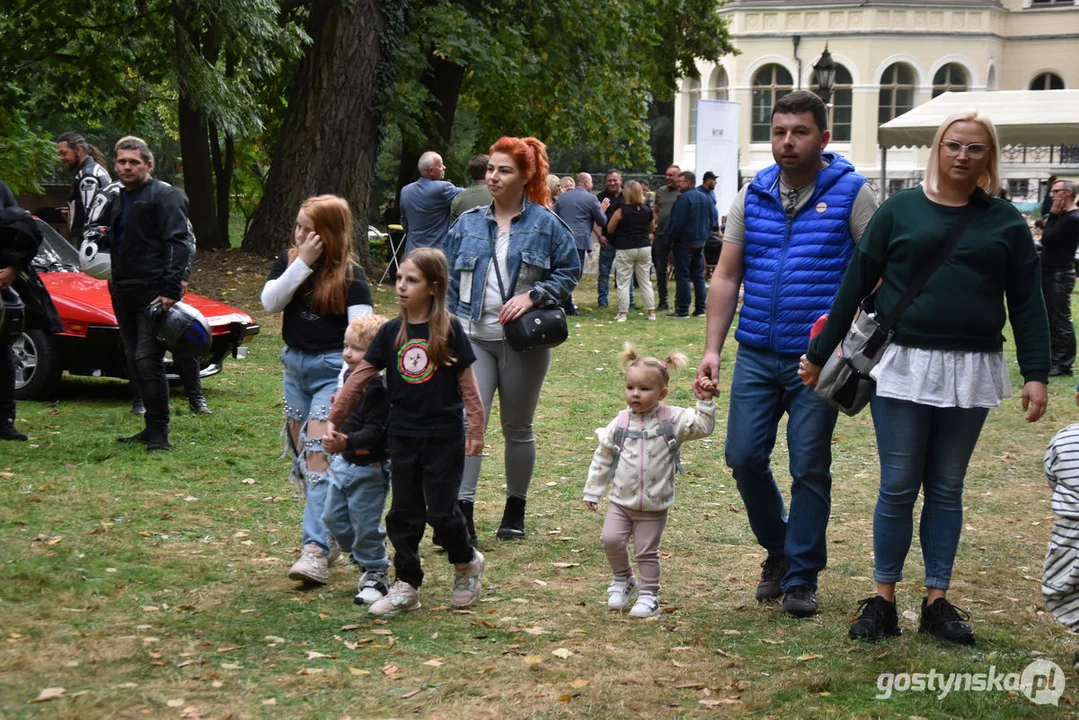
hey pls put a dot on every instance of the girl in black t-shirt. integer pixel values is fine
(429, 379)
(318, 287)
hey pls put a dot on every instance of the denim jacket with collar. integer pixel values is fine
(542, 257)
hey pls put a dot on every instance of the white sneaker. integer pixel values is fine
(466, 582)
(373, 586)
(334, 556)
(401, 598)
(621, 592)
(647, 605)
(311, 567)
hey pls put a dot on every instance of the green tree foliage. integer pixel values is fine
(578, 74)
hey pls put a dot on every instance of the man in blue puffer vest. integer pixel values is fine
(790, 234)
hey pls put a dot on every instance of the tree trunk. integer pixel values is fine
(443, 80)
(223, 171)
(198, 175)
(330, 135)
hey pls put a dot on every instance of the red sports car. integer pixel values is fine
(90, 341)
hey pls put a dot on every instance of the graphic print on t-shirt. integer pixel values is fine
(414, 362)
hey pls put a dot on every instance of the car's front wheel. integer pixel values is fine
(37, 366)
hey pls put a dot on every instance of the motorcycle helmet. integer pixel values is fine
(94, 259)
(182, 329)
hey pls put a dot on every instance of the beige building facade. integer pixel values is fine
(892, 56)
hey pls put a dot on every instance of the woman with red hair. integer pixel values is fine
(539, 266)
(318, 287)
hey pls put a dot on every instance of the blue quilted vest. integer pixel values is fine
(793, 268)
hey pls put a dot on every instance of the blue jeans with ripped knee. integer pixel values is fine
(309, 381)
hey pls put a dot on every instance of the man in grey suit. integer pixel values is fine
(425, 204)
(580, 209)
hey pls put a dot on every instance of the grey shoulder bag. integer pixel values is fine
(844, 381)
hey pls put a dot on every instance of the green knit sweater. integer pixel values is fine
(962, 307)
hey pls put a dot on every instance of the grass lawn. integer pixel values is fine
(155, 586)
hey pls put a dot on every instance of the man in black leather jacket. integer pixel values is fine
(151, 254)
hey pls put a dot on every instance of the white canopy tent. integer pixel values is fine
(1022, 117)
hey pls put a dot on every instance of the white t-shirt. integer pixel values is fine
(489, 328)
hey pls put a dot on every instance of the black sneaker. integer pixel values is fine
(946, 621)
(198, 405)
(699, 313)
(772, 571)
(800, 601)
(139, 437)
(678, 315)
(663, 307)
(137, 407)
(877, 620)
(8, 431)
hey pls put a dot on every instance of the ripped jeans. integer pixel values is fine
(309, 381)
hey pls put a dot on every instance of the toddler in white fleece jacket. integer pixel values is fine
(638, 457)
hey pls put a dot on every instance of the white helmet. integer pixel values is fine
(94, 259)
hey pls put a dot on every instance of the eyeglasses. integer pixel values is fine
(952, 148)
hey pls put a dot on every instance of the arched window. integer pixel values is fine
(720, 85)
(769, 84)
(693, 90)
(841, 101)
(950, 78)
(896, 92)
(1047, 81)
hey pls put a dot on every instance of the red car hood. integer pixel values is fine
(80, 298)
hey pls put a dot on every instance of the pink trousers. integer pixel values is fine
(646, 529)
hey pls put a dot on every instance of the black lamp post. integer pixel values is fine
(825, 72)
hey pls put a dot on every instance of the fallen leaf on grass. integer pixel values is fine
(532, 659)
(390, 670)
(712, 702)
(271, 701)
(433, 663)
(346, 628)
(562, 653)
(809, 656)
(690, 686)
(126, 686)
(732, 632)
(49, 694)
(179, 702)
(771, 642)
(434, 636)
(541, 583)
(381, 631)
(535, 630)
(822, 693)
(565, 564)
(312, 655)
(910, 615)
(231, 666)
(309, 671)
(410, 693)
(578, 684)
(249, 481)
(240, 534)
(359, 671)
(229, 648)
(274, 640)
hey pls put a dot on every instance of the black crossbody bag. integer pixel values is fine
(536, 329)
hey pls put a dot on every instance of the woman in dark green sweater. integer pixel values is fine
(946, 366)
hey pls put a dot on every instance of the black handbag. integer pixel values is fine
(845, 382)
(536, 329)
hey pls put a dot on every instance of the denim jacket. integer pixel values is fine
(542, 257)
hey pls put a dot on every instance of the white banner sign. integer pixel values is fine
(717, 148)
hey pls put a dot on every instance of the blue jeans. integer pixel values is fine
(355, 500)
(764, 386)
(309, 381)
(689, 273)
(603, 279)
(926, 448)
